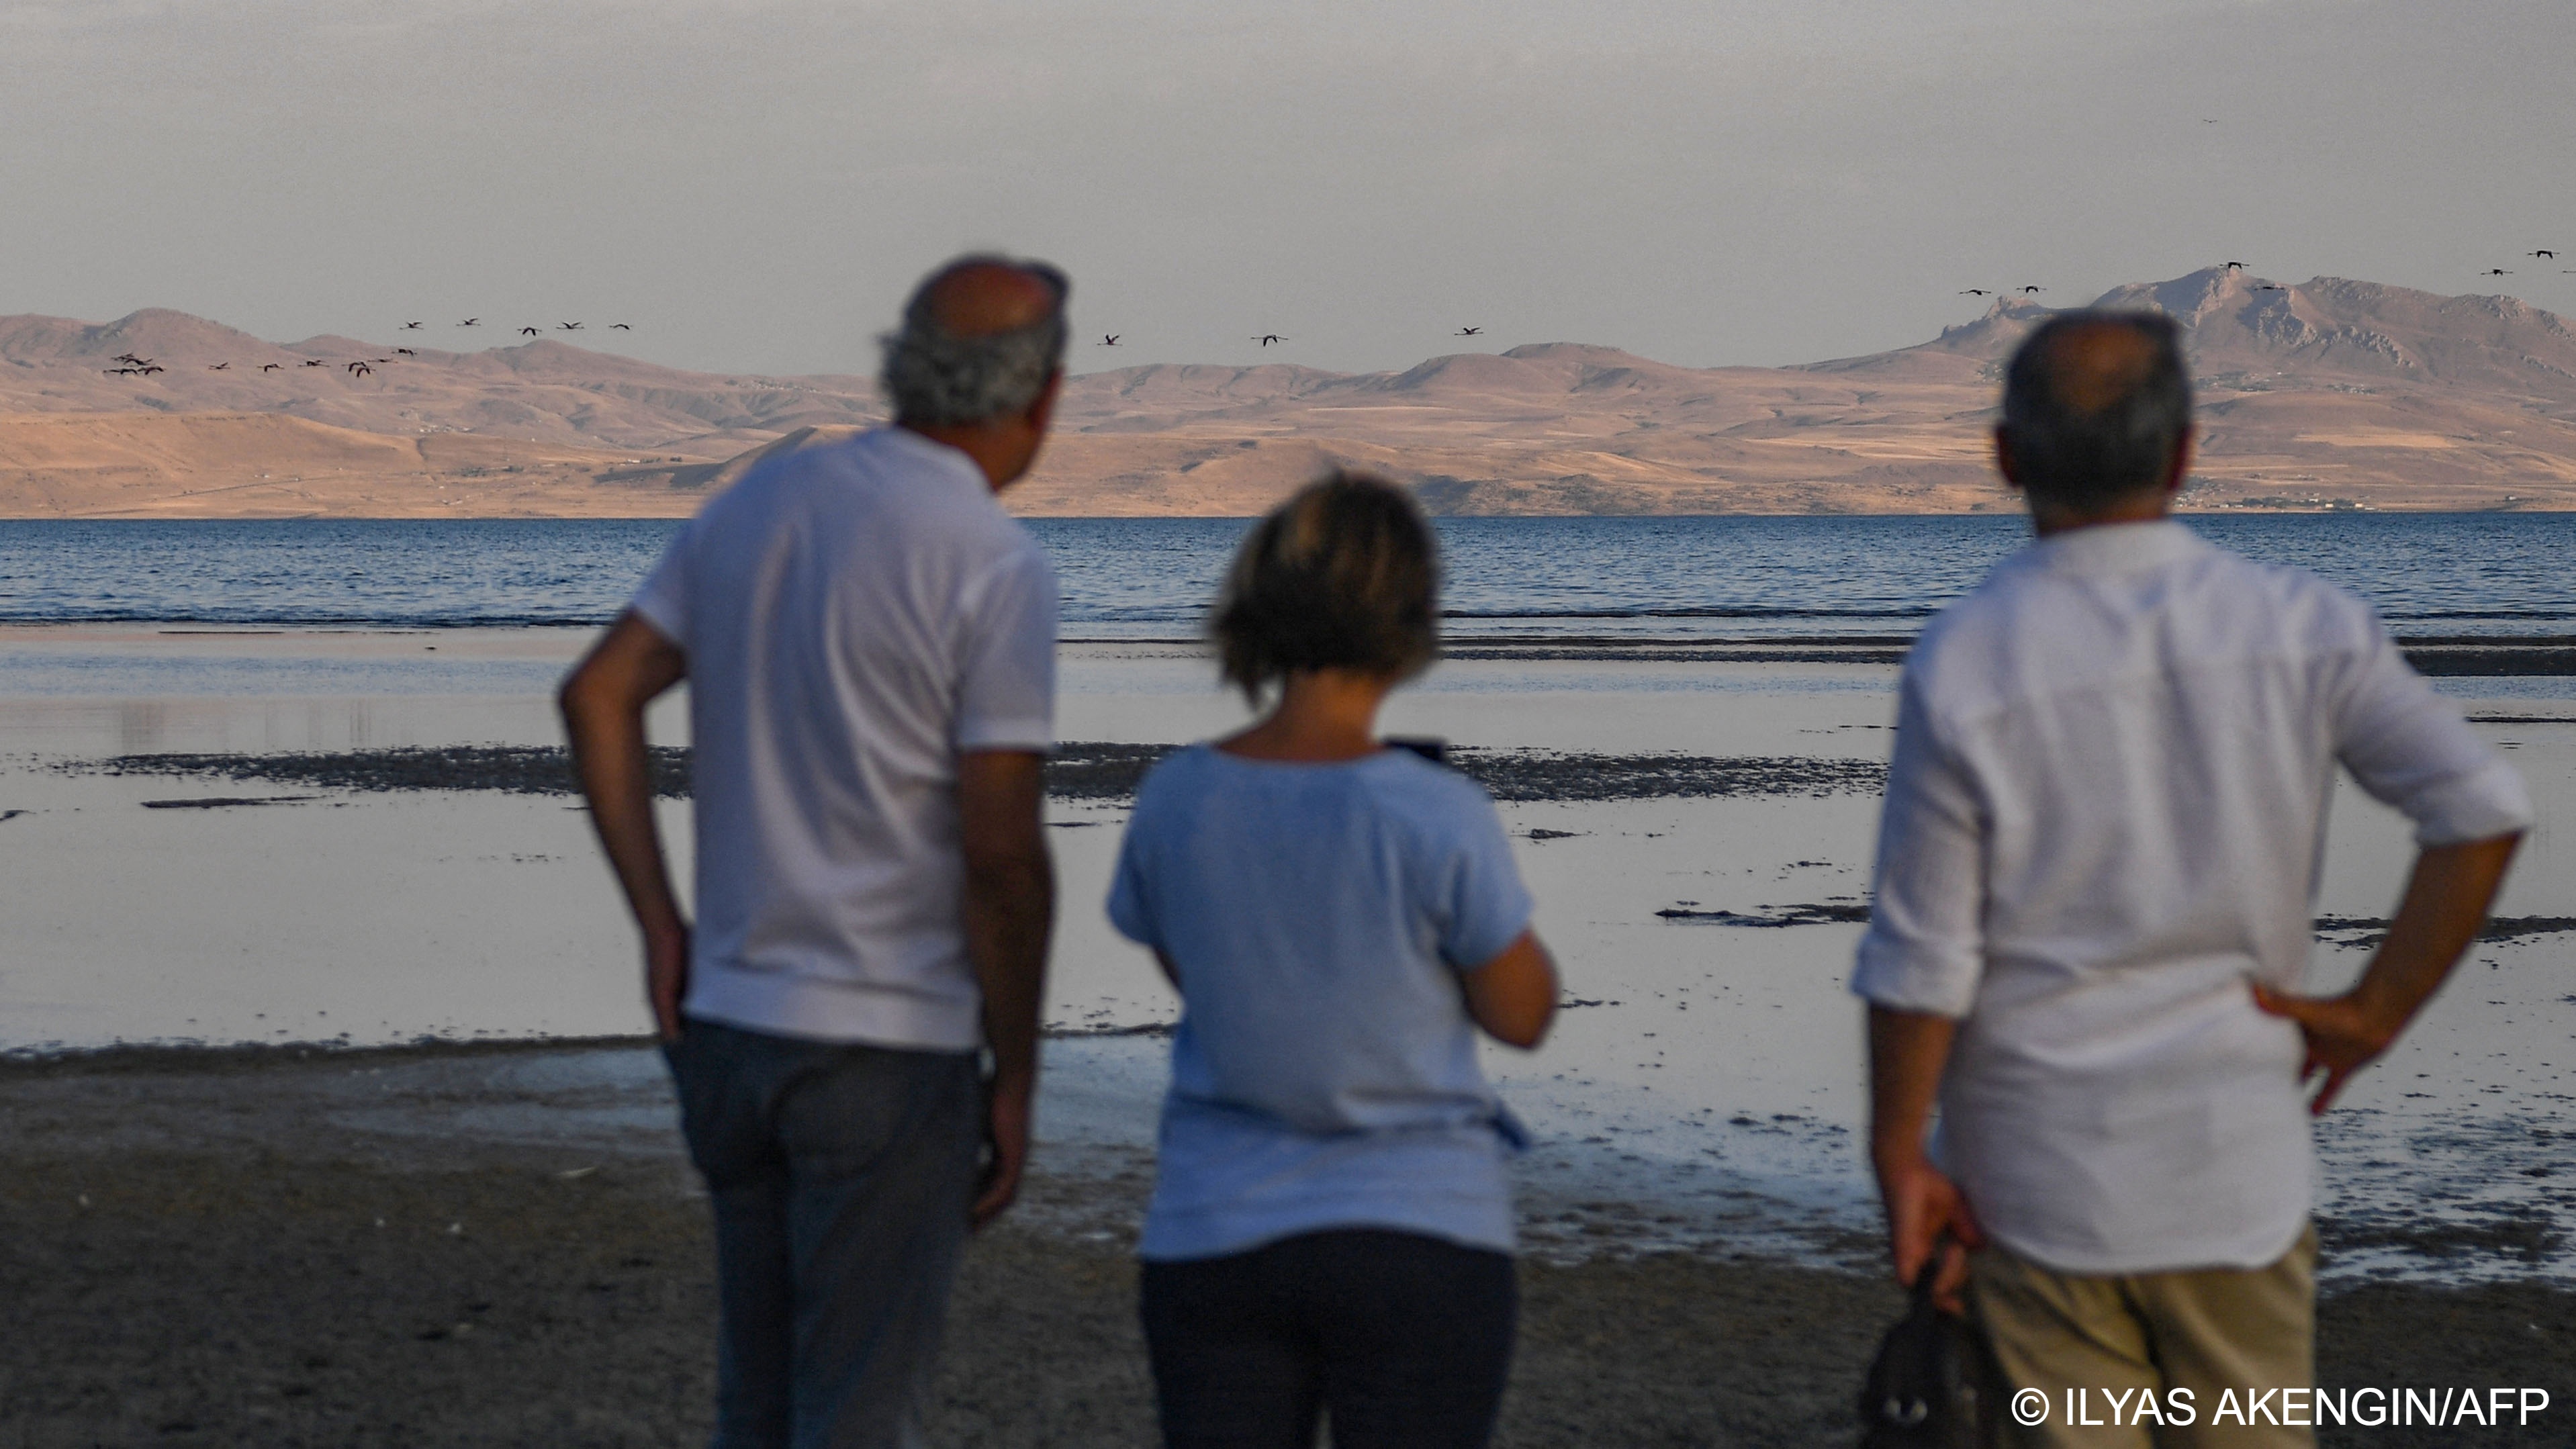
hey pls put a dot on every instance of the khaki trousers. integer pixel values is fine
(2083, 1341)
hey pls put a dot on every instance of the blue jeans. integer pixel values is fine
(1402, 1341)
(841, 1177)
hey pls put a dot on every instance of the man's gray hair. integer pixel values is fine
(2087, 441)
(937, 378)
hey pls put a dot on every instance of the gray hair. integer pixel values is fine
(937, 378)
(2088, 451)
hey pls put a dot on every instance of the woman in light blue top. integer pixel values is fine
(1331, 1228)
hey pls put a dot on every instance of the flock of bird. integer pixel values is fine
(2544, 254)
(129, 365)
(1272, 339)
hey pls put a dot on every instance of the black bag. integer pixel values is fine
(1922, 1388)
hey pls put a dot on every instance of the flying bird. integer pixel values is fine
(405, 352)
(270, 366)
(359, 369)
(2026, 291)
(411, 327)
(2495, 272)
(567, 327)
(1266, 338)
(619, 327)
(148, 369)
(130, 360)
(471, 322)
(217, 366)
(313, 362)
(1467, 332)
(1976, 291)
(2543, 252)
(2235, 266)
(1109, 339)
(527, 332)
(2269, 287)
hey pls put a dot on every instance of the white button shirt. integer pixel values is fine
(2105, 817)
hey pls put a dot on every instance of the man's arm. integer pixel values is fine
(2446, 902)
(1908, 1051)
(603, 704)
(1010, 911)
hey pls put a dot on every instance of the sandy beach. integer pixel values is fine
(501, 1245)
(367, 848)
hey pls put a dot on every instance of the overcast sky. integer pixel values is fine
(754, 183)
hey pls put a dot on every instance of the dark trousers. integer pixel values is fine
(1402, 1340)
(841, 1178)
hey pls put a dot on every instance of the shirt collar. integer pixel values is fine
(2115, 547)
(936, 456)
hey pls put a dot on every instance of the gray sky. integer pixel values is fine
(753, 183)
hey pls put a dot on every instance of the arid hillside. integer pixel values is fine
(2329, 393)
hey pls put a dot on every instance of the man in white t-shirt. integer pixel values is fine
(2104, 820)
(869, 642)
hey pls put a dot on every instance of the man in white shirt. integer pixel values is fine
(870, 645)
(2104, 820)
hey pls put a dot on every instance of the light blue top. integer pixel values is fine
(1324, 1070)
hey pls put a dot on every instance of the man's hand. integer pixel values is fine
(1006, 1149)
(1908, 1051)
(1924, 1207)
(2342, 1037)
(666, 977)
(2446, 901)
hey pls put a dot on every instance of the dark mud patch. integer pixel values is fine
(1821, 914)
(226, 802)
(2526, 1236)
(1535, 775)
(2350, 932)
(508, 769)
(1085, 771)
(2359, 932)
(1150, 1029)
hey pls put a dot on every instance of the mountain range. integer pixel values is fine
(2327, 393)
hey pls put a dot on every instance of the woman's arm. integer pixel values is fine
(1513, 996)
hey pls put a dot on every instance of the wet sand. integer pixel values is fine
(502, 1246)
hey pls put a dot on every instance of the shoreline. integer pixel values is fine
(1097, 1136)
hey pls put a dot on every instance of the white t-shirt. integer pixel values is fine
(855, 617)
(2104, 819)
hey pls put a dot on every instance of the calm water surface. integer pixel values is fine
(1151, 578)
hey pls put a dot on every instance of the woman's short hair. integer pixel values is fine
(1344, 575)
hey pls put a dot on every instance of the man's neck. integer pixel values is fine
(1000, 454)
(2047, 520)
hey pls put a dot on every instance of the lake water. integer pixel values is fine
(2481, 573)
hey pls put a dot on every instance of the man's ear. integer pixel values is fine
(1042, 412)
(2005, 463)
(2178, 471)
